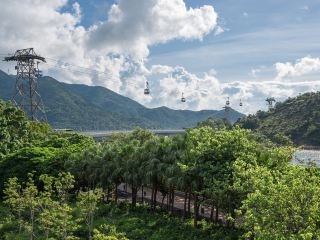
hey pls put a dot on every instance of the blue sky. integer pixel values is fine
(257, 33)
(267, 48)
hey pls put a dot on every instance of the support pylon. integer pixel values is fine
(270, 102)
(26, 95)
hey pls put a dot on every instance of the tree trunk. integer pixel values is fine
(211, 213)
(155, 197)
(196, 210)
(152, 196)
(189, 204)
(162, 201)
(108, 192)
(133, 197)
(20, 222)
(142, 195)
(185, 204)
(217, 213)
(172, 200)
(32, 224)
(115, 193)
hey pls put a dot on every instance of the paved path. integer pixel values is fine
(204, 212)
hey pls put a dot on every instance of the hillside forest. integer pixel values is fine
(60, 185)
(296, 119)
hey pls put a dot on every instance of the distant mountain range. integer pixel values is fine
(82, 107)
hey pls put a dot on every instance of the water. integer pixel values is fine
(303, 157)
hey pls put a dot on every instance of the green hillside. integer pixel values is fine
(82, 107)
(297, 118)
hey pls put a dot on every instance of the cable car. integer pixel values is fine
(183, 99)
(240, 104)
(147, 90)
(228, 102)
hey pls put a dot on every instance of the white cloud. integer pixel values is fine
(115, 52)
(132, 26)
(245, 14)
(302, 67)
(219, 30)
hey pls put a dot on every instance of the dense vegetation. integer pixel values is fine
(82, 107)
(66, 186)
(298, 119)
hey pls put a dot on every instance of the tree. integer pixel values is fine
(106, 232)
(14, 199)
(284, 205)
(13, 128)
(208, 162)
(46, 210)
(87, 203)
(215, 123)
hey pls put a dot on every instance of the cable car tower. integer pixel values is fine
(227, 109)
(26, 95)
(270, 102)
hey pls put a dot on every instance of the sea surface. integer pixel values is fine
(304, 157)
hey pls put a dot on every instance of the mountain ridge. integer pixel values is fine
(82, 107)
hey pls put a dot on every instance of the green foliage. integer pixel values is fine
(140, 223)
(106, 232)
(230, 169)
(215, 123)
(87, 202)
(40, 150)
(45, 212)
(284, 204)
(210, 155)
(13, 128)
(296, 119)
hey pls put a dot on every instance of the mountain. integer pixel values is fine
(83, 107)
(296, 118)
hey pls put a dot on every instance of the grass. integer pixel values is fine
(138, 224)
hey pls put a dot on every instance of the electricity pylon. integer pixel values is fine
(26, 95)
(270, 102)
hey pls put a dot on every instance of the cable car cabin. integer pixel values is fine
(240, 104)
(183, 99)
(146, 91)
(228, 102)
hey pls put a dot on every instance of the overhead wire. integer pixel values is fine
(107, 78)
(85, 70)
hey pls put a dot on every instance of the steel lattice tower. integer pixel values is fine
(270, 102)
(26, 94)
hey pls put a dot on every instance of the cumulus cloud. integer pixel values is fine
(302, 66)
(132, 26)
(114, 53)
(110, 54)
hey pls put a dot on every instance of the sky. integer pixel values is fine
(208, 50)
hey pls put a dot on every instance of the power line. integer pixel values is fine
(82, 70)
(85, 68)
(89, 73)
